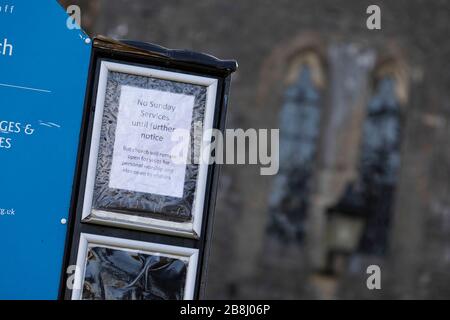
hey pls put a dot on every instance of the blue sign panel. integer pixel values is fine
(44, 63)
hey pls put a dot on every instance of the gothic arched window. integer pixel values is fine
(380, 162)
(299, 133)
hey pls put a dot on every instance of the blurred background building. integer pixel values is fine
(364, 155)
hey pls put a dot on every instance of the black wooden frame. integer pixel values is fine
(153, 56)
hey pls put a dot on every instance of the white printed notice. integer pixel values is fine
(142, 159)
